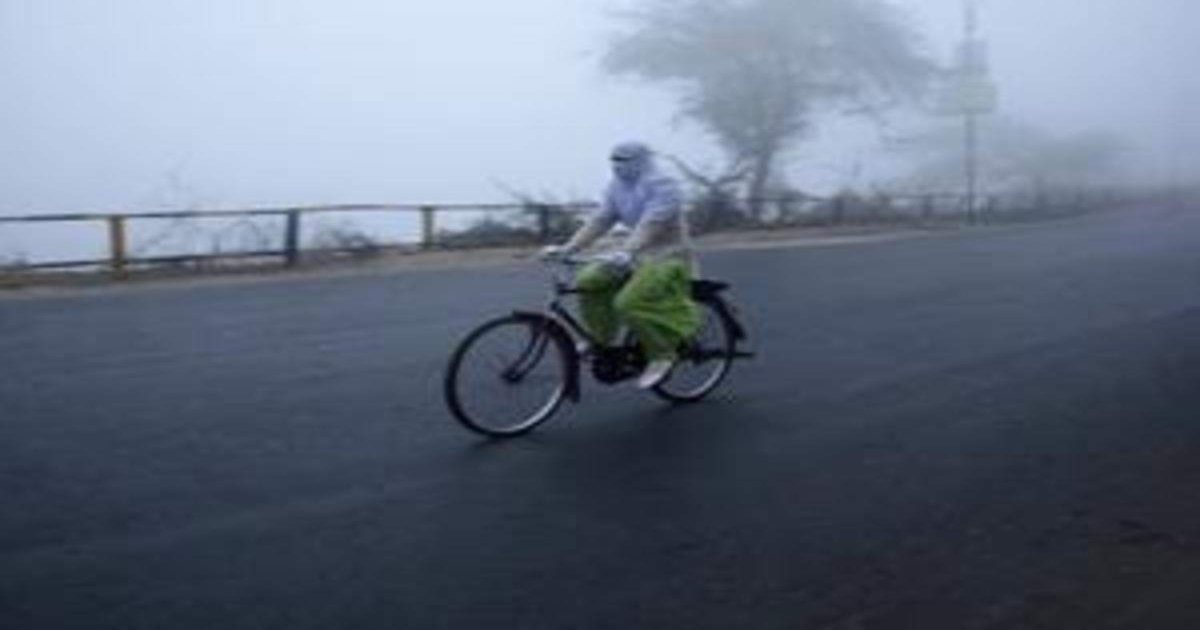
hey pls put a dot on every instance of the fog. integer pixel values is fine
(132, 105)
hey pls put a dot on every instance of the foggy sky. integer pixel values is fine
(130, 104)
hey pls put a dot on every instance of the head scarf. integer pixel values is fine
(631, 161)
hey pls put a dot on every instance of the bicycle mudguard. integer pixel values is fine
(708, 289)
(726, 310)
(564, 340)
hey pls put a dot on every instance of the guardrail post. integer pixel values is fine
(839, 209)
(990, 209)
(117, 246)
(882, 208)
(427, 226)
(544, 224)
(927, 207)
(291, 239)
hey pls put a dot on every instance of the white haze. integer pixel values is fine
(133, 104)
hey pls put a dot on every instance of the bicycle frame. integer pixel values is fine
(562, 316)
(564, 285)
(556, 328)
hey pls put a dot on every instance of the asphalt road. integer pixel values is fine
(984, 429)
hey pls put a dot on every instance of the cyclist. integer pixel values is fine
(645, 282)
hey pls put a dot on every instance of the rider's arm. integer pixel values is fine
(596, 226)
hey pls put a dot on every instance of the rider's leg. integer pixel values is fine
(657, 305)
(598, 286)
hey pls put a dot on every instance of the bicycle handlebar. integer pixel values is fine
(561, 270)
(570, 260)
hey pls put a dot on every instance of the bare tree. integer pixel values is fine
(754, 72)
(715, 199)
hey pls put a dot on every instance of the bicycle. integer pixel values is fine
(536, 358)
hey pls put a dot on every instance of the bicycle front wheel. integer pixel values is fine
(507, 377)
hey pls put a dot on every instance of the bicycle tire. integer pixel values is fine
(727, 349)
(483, 419)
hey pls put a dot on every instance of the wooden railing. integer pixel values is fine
(291, 251)
(539, 223)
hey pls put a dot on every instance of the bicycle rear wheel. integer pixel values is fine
(705, 361)
(507, 377)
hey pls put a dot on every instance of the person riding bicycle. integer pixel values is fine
(645, 282)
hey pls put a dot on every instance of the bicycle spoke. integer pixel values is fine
(704, 363)
(508, 377)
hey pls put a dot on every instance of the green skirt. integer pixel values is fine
(655, 302)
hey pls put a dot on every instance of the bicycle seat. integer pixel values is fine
(702, 289)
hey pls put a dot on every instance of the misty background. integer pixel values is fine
(132, 106)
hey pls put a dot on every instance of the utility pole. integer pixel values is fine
(969, 94)
(972, 118)
(975, 98)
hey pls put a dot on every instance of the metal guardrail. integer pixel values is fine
(120, 260)
(761, 213)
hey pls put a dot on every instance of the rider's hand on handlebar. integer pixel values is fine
(621, 260)
(552, 252)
